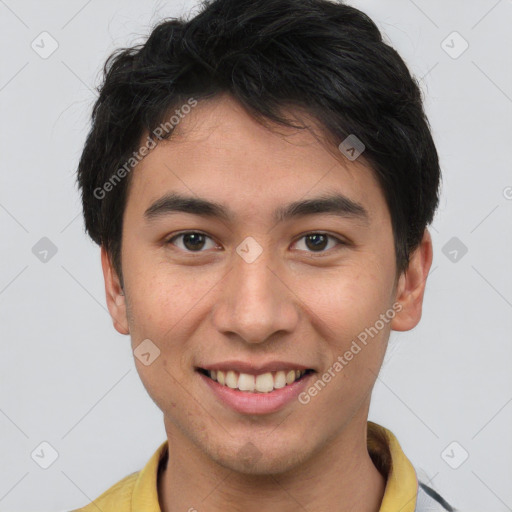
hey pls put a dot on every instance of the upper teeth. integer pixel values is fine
(263, 383)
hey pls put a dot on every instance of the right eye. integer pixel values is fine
(191, 241)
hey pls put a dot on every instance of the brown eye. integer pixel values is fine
(191, 241)
(318, 242)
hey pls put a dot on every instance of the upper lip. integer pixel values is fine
(252, 368)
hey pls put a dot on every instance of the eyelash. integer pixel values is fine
(332, 237)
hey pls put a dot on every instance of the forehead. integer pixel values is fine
(218, 150)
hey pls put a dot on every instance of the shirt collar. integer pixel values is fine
(145, 490)
(401, 482)
(399, 496)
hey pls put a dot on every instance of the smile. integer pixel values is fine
(260, 383)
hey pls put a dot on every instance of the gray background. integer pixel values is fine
(68, 378)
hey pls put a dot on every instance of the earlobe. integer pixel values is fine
(411, 286)
(116, 301)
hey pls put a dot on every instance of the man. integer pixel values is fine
(260, 179)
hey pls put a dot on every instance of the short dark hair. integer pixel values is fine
(316, 56)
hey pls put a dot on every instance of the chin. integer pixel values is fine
(255, 459)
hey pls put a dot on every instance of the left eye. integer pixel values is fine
(319, 241)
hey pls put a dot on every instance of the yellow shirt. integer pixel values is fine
(138, 492)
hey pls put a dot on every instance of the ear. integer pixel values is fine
(411, 286)
(114, 293)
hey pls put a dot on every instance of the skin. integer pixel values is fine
(293, 304)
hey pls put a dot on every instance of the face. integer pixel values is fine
(264, 288)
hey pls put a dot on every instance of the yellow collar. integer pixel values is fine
(401, 482)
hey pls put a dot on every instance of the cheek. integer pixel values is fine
(163, 384)
(349, 322)
(158, 300)
(166, 306)
(348, 300)
(348, 308)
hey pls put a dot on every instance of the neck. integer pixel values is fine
(341, 478)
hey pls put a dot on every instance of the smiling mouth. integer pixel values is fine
(261, 383)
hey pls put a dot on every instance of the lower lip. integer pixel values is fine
(257, 403)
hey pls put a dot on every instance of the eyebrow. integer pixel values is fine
(335, 204)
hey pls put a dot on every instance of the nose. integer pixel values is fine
(255, 302)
